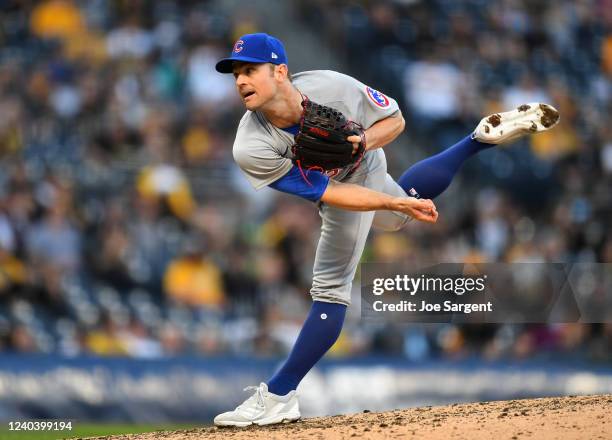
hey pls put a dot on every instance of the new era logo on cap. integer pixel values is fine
(254, 48)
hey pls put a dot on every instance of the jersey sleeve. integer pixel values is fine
(365, 104)
(375, 105)
(257, 158)
(311, 185)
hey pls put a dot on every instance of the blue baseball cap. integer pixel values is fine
(254, 48)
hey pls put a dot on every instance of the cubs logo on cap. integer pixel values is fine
(254, 48)
(238, 46)
(377, 97)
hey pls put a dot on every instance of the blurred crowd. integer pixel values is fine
(126, 229)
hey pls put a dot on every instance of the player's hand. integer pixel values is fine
(355, 140)
(423, 210)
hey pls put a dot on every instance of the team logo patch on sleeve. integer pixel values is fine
(377, 97)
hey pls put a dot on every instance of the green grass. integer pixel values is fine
(86, 430)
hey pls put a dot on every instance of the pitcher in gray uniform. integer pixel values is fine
(350, 200)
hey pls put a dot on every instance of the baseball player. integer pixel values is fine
(271, 149)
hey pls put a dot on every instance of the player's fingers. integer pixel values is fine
(428, 203)
(429, 215)
(424, 204)
(427, 218)
(355, 140)
(420, 215)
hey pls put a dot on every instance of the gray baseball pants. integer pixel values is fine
(344, 233)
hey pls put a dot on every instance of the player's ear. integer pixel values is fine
(281, 72)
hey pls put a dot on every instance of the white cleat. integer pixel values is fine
(508, 126)
(262, 408)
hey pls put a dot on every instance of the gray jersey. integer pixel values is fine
(263, 151)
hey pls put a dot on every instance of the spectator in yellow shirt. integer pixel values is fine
(194, 279)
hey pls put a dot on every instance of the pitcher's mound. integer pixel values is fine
(588, 417)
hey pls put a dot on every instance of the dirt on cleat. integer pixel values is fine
(494, 120)
(550, 116)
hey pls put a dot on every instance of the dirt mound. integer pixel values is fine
(566, 418)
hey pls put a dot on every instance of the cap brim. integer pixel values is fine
(226, 64)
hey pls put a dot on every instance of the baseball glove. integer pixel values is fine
(321, 142)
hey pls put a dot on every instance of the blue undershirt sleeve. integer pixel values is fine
(294, 183)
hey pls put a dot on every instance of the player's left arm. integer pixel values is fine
(381, 133)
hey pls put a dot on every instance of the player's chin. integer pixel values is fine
(251, 102)
(251, 107)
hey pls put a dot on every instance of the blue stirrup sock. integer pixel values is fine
(431, 176)
(320, 331)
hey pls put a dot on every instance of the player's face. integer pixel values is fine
(255, 83)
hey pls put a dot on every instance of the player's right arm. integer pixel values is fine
(316, 187)
(358, 198)
(264, 165)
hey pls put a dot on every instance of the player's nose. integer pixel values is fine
(240, 80)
